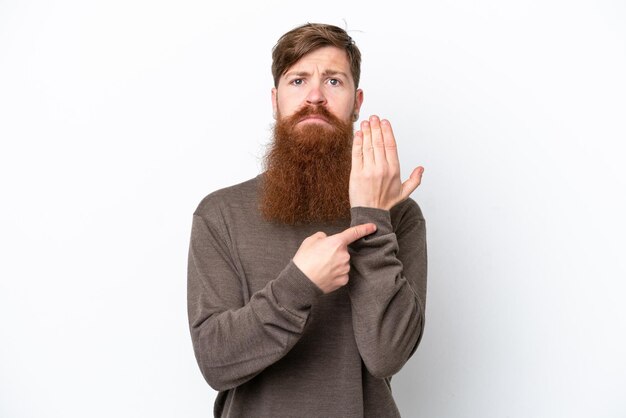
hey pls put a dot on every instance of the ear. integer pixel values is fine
(274, 102)
(358, 100)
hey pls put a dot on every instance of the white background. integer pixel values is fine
(118, 117)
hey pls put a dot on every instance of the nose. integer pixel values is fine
(315, 95)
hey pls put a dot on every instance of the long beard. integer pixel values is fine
(308, 170)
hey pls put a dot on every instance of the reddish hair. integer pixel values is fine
(298, 42)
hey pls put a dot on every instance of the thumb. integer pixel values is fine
(356, 232)
(414, 180)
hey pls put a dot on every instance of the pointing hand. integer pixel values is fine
(325, 259)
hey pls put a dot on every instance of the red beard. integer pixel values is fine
(308, 170)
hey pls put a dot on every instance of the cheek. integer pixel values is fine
(345, 108)
(287, 104)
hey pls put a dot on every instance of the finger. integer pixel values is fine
(343, 280)
(368, 150)
(412, 182)
(377, 140)
(357, 150)
(356, 232)
(391, 148)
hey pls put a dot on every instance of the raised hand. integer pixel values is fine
(375, 176)
(325, 259)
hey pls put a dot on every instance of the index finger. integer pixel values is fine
(356, 232)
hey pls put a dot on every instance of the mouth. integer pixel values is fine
(313, 119)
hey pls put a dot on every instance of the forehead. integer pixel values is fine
(323, 59)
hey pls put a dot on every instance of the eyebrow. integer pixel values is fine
(307, 74)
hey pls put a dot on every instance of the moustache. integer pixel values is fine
(314, 110)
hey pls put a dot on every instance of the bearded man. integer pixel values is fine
(307, 283)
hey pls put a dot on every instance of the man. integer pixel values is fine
(307, 283)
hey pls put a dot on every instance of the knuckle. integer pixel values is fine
(342, 280)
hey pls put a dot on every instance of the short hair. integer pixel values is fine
(298, 42)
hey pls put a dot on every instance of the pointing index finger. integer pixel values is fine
(354, 233)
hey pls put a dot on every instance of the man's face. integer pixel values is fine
(320, 78)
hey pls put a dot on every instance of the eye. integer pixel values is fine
(334, 82)
(297, 82)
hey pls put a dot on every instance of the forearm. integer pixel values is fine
(388, 311)
(235, 340)
(233, 346)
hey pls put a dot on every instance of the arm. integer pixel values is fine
(233, 341)
(388, 285)
(388, 288)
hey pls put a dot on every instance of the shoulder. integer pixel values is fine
(236, 195)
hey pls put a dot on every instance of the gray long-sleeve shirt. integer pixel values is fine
(269, 340)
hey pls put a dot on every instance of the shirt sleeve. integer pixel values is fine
(387, 287)
(233, 341)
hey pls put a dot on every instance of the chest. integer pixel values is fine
(261, 249)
